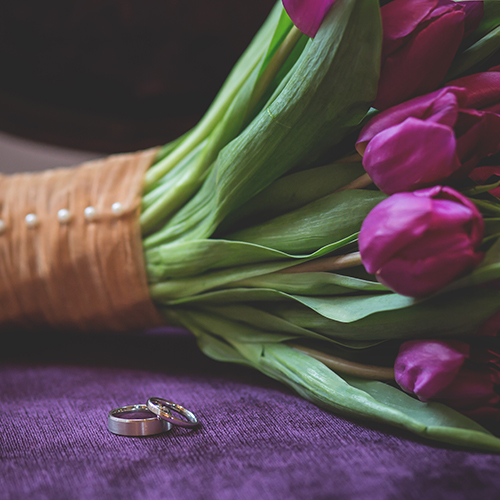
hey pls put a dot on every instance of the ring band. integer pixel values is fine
(161, 408)
(136, 420)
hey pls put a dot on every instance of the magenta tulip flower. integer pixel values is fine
(434, 139)
(416, 243)
(421, 38)
(307, 15)
(453, 372)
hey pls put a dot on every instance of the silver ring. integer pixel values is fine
(161, 408)
(136, 420)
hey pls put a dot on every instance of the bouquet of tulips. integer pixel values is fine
(333, 220)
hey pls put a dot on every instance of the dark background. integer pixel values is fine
(117, 75)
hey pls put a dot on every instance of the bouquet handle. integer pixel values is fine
(70, 247)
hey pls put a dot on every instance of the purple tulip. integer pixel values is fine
(416, 243)
(453, 372)
(436, 138)
(421, 38)
(307, 15)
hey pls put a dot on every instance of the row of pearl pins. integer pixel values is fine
(64, 216)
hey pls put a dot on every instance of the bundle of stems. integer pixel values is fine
(250, 224)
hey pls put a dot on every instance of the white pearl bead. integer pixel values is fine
(3, 226)
(64, 215)
(31, 220)
(117, 208)
(90, 213)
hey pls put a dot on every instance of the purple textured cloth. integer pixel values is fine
(258, 439)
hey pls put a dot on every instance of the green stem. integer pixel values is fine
(237, 78)
(361, 182)
(486, 207)
(343, 366)
(176, 196)
(164, 206)
(326, 264)
(274, 65)
(166, 183)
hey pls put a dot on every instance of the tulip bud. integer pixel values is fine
(433, 139)
(416, 243)
(453, 372)
(421, 38)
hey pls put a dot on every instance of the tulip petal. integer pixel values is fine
(478, 134)
(400, 18)
(447, 193)
(391, 226)
(483, 89)
(420, 270)
(470, 389)
(426, 367)
(486, 414)
(450, 216)
(474, 13)
(465, 216)
(411, 155)
(443, 104)
(307, 15)
(421, 64)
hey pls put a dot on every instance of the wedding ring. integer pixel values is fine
(136, 420)
(161, 408)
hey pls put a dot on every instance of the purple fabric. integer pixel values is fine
(258, 439)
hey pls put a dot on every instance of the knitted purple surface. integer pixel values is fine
(258, 440)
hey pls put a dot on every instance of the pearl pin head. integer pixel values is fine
(31, 220)
(64, 215)
(90, 213)
(117, 208)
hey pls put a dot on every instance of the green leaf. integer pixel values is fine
(346, 395)
(265, 321)
(369, 400)
(328, 219)
(193, 258)
(237, 78)
(282, 29)
(211, 345)
(169, 290)
(481, 189)
(166, 291)
(490, 20)
(324, 97)
(327, 94)
(491, 226)
(311, 284)
(487, 207)
(477, 53)
(232, 330)
(293, 191)
(387, 316)
(231, 117)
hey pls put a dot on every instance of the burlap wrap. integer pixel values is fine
(83, 275)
